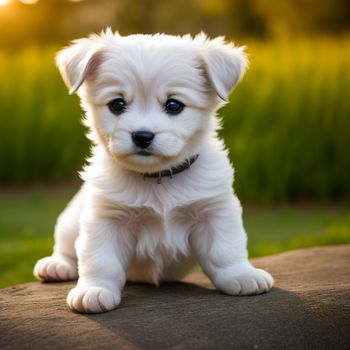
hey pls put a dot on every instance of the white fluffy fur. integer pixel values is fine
(120, 226)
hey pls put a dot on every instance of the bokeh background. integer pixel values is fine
(287, 126)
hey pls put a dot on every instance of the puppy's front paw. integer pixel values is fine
(92, 299)
(253, 282)
(53, 268)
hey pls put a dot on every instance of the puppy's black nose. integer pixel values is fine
(142, 138)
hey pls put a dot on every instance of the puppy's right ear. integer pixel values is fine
(78, 62)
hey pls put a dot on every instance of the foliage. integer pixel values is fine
(40, 131)
(287, 126)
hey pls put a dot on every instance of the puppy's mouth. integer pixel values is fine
(145, 153)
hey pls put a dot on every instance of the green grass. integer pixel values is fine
(28, 217)
(26, 230)
(287, 126)
(273, 230)
(36, 116)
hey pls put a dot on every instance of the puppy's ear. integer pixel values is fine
(224, 64)
(78, 62)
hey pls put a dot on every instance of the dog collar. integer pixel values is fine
(173, 170)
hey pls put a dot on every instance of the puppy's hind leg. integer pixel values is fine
(62, 264)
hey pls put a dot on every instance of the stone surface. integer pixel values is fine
(309, 308)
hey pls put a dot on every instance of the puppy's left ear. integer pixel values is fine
(224, 64)
(78, 62)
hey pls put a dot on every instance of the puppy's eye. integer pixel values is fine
(117, 106)
(173, 106)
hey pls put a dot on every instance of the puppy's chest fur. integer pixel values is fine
(159, 217)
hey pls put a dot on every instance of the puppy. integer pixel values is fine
(157, 194)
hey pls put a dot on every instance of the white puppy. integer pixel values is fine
(157, 193)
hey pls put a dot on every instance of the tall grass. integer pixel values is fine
(41, 136)
(287, 126)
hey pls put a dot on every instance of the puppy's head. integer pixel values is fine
(151, 100)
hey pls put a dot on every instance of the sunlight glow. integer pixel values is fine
(29, 2)
(4, 2)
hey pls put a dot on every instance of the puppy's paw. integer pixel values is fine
(53, 268)
(253, 282)
(92, 299)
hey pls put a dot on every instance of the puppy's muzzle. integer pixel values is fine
(142, 138)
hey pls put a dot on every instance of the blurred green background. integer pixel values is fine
(287, 126)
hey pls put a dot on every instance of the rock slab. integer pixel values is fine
(309, 308)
